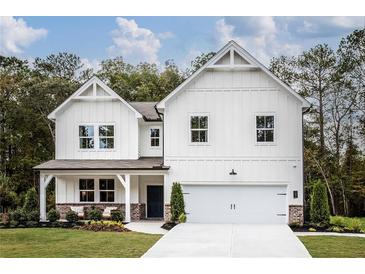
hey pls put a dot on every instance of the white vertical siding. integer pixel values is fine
(145, 149)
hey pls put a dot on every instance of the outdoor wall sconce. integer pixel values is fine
(233, 172)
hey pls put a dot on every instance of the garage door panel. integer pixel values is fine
(235, 204)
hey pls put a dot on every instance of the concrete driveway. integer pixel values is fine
(228, 240)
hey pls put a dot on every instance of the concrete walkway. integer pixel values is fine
(149, 227)
(361, 235)
(228, 240)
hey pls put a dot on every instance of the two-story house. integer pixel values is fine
(231, 135)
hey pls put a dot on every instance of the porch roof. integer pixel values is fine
(143, 163)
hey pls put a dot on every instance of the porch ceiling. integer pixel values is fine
(143, 163)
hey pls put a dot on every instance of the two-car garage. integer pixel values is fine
(221, 203)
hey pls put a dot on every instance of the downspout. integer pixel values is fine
(163, 135)
(303, 113)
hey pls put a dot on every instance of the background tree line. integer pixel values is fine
(334, 133)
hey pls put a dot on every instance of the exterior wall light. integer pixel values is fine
(233, 172)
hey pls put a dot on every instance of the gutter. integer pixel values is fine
(163, 134)
(303, 113)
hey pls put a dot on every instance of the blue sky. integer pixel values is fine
(156, 39)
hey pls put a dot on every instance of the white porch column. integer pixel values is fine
(126, 182)
(44, 180)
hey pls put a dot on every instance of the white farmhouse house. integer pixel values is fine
(231, 135)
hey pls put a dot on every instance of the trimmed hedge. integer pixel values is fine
(319, 207)
(53, 215)
(177, 202)
(71, 216)
(117, 215)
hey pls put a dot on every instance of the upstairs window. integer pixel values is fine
(265, 129)
(199, 129)
(155, 137)
(86, 187)
(106, 137)
(106, 188)
(86, 136)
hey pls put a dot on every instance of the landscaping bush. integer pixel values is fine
(176, 202)
(95, 214)
(338, 221)
(18, 216)
(71, 216)
(182, 218)
(53, 215)
(31, 224)
(33, 216)
(31, 200)
(319, 208)
(354, 225)
(117, 215)
(104, 226)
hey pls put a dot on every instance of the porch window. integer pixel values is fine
(106, 188)
(106, 137)
(155, 137)
(86, 135)
(265, 129)
(86, 187)
(198, 129)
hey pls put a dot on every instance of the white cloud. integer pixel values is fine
(134, 43)
(347, 21)
(259, 37)
(166, 35)
(15, 35)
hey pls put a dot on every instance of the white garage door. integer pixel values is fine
(235, 204)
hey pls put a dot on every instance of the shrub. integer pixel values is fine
(338, 221)
(71, 216)
(336, 229)
(53, 215)
(319, 208)
(116, 215)
(31, 224)
(182, 218)
(31, 200)
(354, 224)
(104, 226)
(33, 216)
(19, 216)
(176, 202)
(95, 214)
(312, 229)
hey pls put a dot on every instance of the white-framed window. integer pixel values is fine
(96, 136)
(155, 135)
(265, 128)
(87, 190)
(106, 136)
(199, 128)
(86, 136)
(106, 190)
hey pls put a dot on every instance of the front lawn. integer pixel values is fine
(70, 243)
(334, 246)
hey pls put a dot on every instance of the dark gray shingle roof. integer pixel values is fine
(140, 164)
(147, 109)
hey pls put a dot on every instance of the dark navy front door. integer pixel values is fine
(154, 201)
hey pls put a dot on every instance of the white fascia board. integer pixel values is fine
(253, 62)
(91, 81)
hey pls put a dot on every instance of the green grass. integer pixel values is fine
(334, 246)
(69, 243)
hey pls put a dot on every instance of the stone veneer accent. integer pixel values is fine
(167, 212)
(296, 215)
(138, 211)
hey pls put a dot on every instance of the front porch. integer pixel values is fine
(138, 191)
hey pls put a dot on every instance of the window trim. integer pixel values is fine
(190, 129)
(96, 137)
(107, 190)
(88, 190)
(150, 138)
(275, 128)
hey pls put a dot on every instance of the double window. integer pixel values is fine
(199, 128)
(88, 190)
(101, 136)
(155, 137)
(265, 126)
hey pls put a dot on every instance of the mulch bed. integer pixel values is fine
(103, 227)
(168, 226)
(306, 228)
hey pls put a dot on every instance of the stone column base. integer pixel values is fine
(296, 215)
(167, 216)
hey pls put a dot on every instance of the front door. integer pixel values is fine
(154, 201)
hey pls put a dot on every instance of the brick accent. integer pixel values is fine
(138, 211)
(167, 212)
(296, 215)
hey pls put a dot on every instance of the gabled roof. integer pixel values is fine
(93, 89)
(247, 62)
(147, 109)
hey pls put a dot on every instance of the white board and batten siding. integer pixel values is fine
(145, 148)
(232, 99)
(97, 112)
